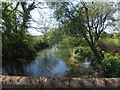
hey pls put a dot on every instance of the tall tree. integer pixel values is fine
(15, 40)
(86, 19)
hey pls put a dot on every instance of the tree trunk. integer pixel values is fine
(95, 52)
(93, 48)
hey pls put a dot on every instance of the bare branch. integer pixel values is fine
(15, 8)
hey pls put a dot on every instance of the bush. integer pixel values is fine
(15, 48)
(110, 65)
(109, 47)
(68, 41)
(41, 45)
(84, 51)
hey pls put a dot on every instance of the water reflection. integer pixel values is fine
(47, 64)
(13, 69)
(86, 63)
(86, 66)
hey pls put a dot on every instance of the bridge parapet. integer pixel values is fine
(57, 82)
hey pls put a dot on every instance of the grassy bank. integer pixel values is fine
(69, 58)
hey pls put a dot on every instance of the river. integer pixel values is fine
(47, 64)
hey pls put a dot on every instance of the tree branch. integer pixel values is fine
(15, 8)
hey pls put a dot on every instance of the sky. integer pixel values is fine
(41, 16)
(40, 19)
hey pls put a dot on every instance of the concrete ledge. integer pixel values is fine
(62, 82)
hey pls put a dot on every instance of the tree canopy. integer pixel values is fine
(17, 43)
(88, 19)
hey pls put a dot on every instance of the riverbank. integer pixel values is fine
(69, 58)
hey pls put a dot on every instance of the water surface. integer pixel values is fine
(47, 64)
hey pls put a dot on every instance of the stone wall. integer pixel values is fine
(63, 82)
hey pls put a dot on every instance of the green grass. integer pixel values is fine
(64, 54)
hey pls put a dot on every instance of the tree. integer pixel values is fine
(16, 42)
(86, 19)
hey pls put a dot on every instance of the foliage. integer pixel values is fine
(75, 69)
(84, 51)
(69, 41)
(17, 44)
(57, 36)
(110, 65)
(65, 54)
(110, 47)
(41, 45)
(84, 19)
(110, 38)
(53, 37)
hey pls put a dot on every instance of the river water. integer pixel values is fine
(47, 64)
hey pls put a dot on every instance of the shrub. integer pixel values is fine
(41, 45)
(84, 51)
(69, 42)
(110, 65)
(109, 47)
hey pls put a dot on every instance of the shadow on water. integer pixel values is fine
(47, 64)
